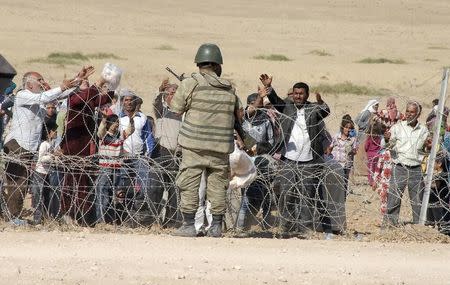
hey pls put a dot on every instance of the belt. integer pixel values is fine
(407, 166)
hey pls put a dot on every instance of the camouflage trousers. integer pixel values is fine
(217, 170)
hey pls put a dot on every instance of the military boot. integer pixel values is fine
(216, 226)
(187, 229)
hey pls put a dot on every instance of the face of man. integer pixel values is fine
(129, 104)
(299, 96)
(51, 109)
(412, 113)
(36, 83)
(258, 103)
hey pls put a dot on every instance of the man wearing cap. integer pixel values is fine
(206, 137)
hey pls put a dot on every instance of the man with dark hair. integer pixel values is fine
(256, 121)
(301, 150)
(206, 138)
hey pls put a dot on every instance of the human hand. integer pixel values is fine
(263, 91)
(164, 84)
(266, 80)
(85, 72)
(319, 98)
(69, 83)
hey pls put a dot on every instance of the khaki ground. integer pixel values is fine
(415, 31)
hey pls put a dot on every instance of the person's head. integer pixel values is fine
(413, 110)
(34, 82)
(139, 103)
(347, 125)
(7, 74)
(209, 57)
(115, 98)
(129, 100)
(49, 131)
(112, 123)
(300, 93)
(254, 101)
(390, 103)
(439, 162)
(435, 102)
(170, 91)
(50, 109)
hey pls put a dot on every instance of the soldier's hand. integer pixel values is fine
(266, 80)
(164, 84)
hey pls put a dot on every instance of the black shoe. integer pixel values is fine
(187, 229)
(216, 227)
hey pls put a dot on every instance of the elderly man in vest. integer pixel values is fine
(206, 138)
(301, 151)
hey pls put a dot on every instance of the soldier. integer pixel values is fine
(206, 138)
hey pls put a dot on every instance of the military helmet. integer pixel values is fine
(208, 53)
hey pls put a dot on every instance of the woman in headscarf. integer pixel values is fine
(383, 170)
(366, 127)
(364, 118)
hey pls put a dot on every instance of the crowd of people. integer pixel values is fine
(87, 154)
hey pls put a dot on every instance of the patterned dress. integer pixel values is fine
(383, 168)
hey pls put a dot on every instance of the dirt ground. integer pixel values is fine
(415, 31)
(93, 258)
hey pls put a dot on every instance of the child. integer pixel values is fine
(438, 208)
(343, 147)
(257, 195)
(42, 194)
(110, 151)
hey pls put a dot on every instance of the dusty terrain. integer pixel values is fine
(140, 32)
(89, 258)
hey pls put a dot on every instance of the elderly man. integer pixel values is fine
(167, 127)
(407, 140)
(302, 151)
(26, 127)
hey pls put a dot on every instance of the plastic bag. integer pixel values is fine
(112, 74)
(243, 169)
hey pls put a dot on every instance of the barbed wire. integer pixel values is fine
(142, 193)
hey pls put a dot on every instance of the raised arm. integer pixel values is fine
(268, 91)
(323, 110)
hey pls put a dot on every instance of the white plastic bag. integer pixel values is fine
(112, 74)
(243, 170)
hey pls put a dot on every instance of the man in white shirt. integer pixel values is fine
(25, 135)
(408, 140)
(139, 146)
(302, 153)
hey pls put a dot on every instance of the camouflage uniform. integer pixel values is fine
(206, 137)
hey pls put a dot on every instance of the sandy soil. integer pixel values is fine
(415, 31)
(86, 258)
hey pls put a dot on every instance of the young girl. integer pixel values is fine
(343, 147)
(42, 193)
(110, 151)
